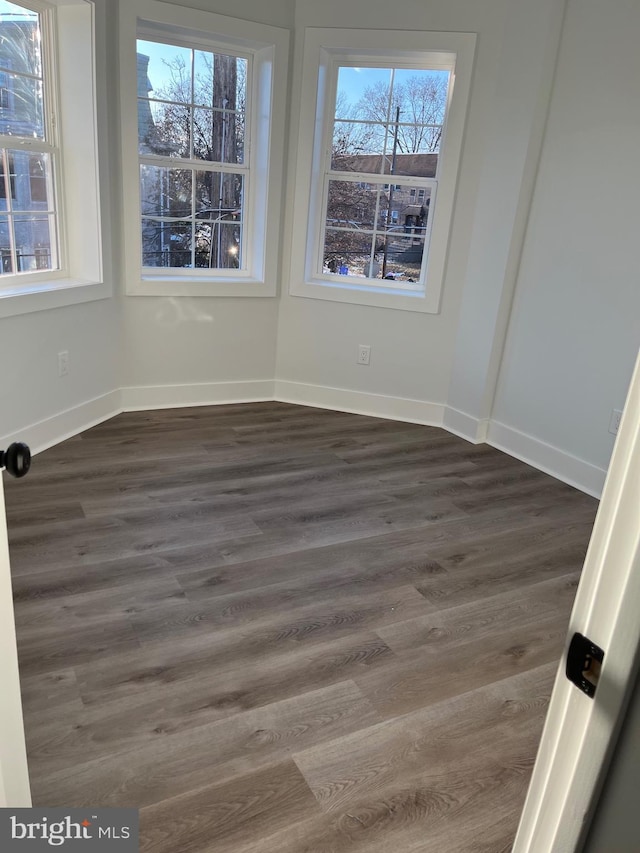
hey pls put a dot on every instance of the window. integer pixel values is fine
(50, 206)
(191, 138)
(210, 139)
(28, 153)
(377, 105)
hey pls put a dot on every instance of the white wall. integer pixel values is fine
(202, 342)
(410, 353)
(413, 355)
(31, 392)
(575, 324)
(173, 342)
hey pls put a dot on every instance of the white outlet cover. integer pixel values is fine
(614, 423)
(364, 353)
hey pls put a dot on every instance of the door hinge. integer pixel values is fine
(584, 662)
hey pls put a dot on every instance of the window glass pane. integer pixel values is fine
(218, 245)
(23, 112)
(203, 78)
(422, 95)
(164, 129)
(218, 196)
(403, 211)
(165, 192)
(33, 242)
(388, 256)
(419, 165)
(39, 171)
(166, 244)
(5, 246)
(403, 258)
(6, 187)
(30, 176)
(358, 87)
(218, 135)
(347, 251)
(20, 42)
(358, 146)
(354, 205)
(165, 70)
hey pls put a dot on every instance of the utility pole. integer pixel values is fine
(390, 205)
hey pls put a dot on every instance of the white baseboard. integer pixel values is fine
(466, 426)
(360, 403)
(44, 434)
(552, 460)
(145, 397)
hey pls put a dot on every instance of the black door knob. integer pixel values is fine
(16, 459)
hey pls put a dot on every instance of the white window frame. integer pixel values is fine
(325, 50)
(70, 93)
(267, 48)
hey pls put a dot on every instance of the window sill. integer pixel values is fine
(55, 293)
(374, 296)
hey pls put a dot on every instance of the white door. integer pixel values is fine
(14, 778)
(578, 731)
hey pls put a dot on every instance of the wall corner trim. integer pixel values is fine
(465, 426)
(50, 431)
(545, 457)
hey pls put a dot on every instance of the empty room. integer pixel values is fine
(317, 325)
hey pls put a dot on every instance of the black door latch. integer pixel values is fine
(16, 459)
(584, 662)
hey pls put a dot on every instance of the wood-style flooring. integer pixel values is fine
(276, 629)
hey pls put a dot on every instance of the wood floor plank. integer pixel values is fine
(182, 761)
(466, 731)
(74, 578)
(495, 613)
(89, 541)
(280, 629)
(454, 812)
(431, 673)
(136, 700)
(224, 817)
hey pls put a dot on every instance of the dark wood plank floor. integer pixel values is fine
(276, 629)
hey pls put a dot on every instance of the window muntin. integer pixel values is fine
(192, 137)
(28, 156)
(387, 120)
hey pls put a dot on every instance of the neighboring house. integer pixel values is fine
(406, 207)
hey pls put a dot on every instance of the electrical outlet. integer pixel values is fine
(364, 353)
(63, 363)
(614, 424)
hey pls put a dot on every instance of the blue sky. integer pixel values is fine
(10, 10)
(158, 74)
